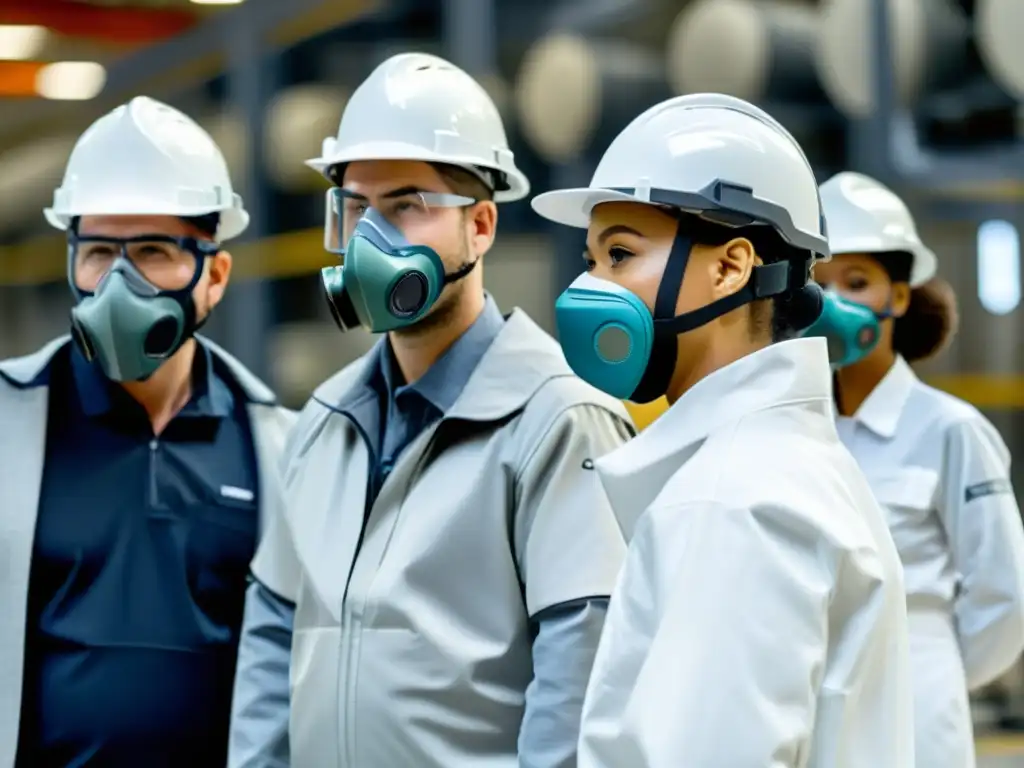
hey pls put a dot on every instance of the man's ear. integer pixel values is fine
(736, 259)
(900, 301)
(482, 220)
(218, 270)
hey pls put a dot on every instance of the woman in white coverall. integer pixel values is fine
(759, 620)
(937, 466)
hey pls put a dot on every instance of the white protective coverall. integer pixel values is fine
(941, 472)
(759, 619)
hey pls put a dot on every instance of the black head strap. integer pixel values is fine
(664, 351)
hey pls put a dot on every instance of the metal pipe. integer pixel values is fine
(246, 308)
(573, 93)
(754, 49)
(997, 28)
(471, 35)
(928, 49)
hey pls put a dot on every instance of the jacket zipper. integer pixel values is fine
(154, 494)
(349, 647)
(349, 641)
(370, 497)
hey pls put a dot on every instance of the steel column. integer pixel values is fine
(470, 35)
(246, 312)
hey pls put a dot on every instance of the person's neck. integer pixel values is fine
(416, 351)
(167, 391)
(717, 355)
(855, 383)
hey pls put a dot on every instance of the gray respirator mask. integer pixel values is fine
(141, 310)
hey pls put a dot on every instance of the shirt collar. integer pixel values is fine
(444, 381)
(211, 397)
(880, 412)
(794, 373)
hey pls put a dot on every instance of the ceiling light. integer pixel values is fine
(71, 80)
(216, 2)
(21, 42)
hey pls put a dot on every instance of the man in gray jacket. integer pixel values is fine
(137, 464)
(437, 585)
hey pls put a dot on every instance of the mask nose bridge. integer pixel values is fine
(385, 236)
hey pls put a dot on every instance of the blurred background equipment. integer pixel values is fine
(574, 95)
(759, 50)
(928, 40)
(923, 94)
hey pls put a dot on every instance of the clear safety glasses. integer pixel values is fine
(406, 210)
(168, 263)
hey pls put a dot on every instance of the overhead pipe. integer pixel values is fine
(756, 50)
(28, 176)
(115, 25)
(998, 25)
(886, 144)
(298, 118)
(644, 22)
(575, 94)
(929, 44)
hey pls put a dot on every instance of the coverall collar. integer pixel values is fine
(32, 370)
(789, 373)
(444, 381)
(880, 412)
(518, 362)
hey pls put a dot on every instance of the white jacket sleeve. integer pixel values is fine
(714, 645)
(986, 536)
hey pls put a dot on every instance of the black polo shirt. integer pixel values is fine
(138, 575)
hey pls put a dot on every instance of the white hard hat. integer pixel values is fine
(415, 106)
(146, 158)
(711, 155)
(865, 216)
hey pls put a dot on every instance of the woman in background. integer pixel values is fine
(938, 467)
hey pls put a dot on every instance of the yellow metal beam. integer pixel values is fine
(1003, 746)
(1004, 191)
(43, 260)
(983, 390)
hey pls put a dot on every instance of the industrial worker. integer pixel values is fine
(137, 462)
(759, 619)
(439, 581)
(938, 467)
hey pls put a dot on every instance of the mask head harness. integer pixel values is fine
(127, 323)
(725, 204)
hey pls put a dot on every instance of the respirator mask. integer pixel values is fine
(851, 330)
(384, 282)
(613, 341)
(134, 307)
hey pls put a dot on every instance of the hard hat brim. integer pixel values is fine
(572, 207)
(519, 185)
(233, 221)
(924, 264)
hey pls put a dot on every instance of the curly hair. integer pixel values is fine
(930, 322)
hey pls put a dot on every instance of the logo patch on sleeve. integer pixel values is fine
(987, 488)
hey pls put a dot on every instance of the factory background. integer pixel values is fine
(924, 94)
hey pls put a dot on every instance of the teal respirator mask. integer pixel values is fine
(851, 330)
(385, 282)
(613, 341)
(141, 311)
